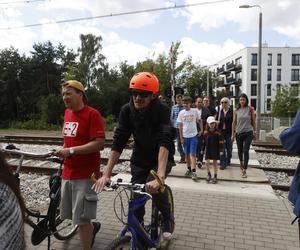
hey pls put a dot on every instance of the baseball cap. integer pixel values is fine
(210, 119)
(74, 84)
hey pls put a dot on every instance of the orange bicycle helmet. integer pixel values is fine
(144, 81)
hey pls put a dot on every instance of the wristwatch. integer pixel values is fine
(71, 151)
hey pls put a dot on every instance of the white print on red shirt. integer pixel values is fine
(70, 129)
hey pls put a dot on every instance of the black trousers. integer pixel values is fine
(142, 176)
(243, 141)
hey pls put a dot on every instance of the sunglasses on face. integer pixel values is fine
(224, 102)
(141, 94)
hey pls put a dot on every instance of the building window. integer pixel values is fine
(254, 59)
(269, 76)
(269, 89)
(253, 103)
(296, 59)
(253, 89)
(278, 88)
(269, 59)
(268, 104)
(253, 74)
(279, 59)
(238, 61)
(295, 75)
(278, 78)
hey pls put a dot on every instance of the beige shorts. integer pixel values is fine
(78, 201)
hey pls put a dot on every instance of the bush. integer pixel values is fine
(33, 125)
(110, 123)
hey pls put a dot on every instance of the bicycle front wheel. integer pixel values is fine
(62, 229)
(120, 243)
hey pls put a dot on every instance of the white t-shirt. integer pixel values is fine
(188, 118)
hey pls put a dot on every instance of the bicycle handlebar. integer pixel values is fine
(17, 151)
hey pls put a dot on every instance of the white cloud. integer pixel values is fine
(207, 54)
(280, 16)
(102, 8)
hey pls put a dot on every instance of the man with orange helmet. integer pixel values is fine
(148, 120)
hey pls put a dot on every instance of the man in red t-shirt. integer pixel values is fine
(84, 137)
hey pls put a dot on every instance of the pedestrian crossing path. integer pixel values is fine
(231, 173)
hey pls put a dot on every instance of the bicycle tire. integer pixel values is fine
(120, 243)
(159, 218)
(62, 229)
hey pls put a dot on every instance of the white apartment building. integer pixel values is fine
(238, 73)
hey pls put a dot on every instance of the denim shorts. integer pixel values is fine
(78, 201)
(190, 145)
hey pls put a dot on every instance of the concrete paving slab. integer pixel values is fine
(229, 174)
(208, 217)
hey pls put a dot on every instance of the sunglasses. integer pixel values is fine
(141, 94)
(224, 102)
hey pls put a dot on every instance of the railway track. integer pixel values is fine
(262, 147)
(45, 140)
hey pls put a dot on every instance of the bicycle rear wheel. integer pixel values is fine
(62, 229)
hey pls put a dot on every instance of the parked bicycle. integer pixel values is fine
(49, 223)
(136, 235)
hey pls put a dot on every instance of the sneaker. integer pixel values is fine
(194, 176)
(244, 174)
(168, 225)
(96, 228)
(208, 177)
(199, 164)
(188, 173)
(214, 180)
(222, 168)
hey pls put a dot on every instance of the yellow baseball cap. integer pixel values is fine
(74, 84)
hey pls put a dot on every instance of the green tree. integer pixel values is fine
(286, 101)
(11, 101)
(92, 66)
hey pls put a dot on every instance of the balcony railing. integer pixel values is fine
(221, 70)
(230, 66)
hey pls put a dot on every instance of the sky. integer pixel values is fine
(208, 32)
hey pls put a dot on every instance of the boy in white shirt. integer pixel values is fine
(187, 120)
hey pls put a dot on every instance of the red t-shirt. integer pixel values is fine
(80, 128)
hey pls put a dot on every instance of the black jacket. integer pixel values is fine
(228, 119)
(151, 128)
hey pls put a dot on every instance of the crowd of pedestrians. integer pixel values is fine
(210, 131)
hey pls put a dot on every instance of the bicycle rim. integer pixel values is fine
(62, 229)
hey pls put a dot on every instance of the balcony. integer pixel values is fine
(230, 66)
(221, 70)
(230, 80)
(220, 81)
(238, 67)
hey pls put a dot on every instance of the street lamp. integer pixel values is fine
(246, 6)
(207, 67)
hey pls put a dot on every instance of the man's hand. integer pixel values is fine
(232, 138)
(62, 153)
(221, 153)
(152, 187)
(100, 184)
(182, 140)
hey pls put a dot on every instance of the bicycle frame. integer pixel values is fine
(135, 227)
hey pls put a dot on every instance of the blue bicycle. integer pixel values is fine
(136, 235)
